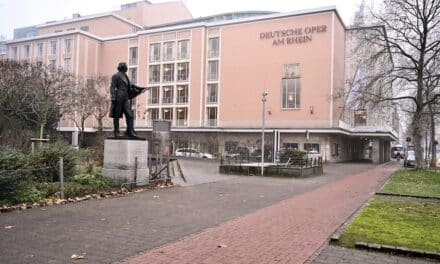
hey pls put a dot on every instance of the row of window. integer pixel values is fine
(170, 72)
(168, 95)
(39, 49)
(179, 115)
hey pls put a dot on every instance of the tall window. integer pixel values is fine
(181, 116)
(154, 74)
(67, 64)
(291, 87)
(153, 114)
(168, 73)
(68, 46)
(40, 48)
(167, 114)
(14, 53)
(182, 94)
(27, 51)
(213, 70)
(167, 95)
(52, 64)
(155, 52)
(153, 97)
(213, 47)
(212, 92)
(212, 116)
(311, 147)
(183, 49)
(53, 47)
(133, 56)
(360, 117)
(168, 51)
(182, 71)
(132, 74)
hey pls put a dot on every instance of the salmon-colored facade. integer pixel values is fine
(207, 76)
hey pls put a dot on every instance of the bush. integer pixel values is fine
(48, 157)
(28, 194)
(14, 173)
(75, 189)
(293, 155)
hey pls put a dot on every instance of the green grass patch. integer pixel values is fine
(403, 223)
(414, 182)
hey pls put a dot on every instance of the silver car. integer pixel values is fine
(192, 153)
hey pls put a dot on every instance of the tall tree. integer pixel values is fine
(412, 37)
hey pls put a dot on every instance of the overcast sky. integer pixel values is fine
(22, 13)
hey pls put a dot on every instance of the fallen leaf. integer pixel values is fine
(156, 197)
(102, 219)
(75, 256)
(9, 227)
(222, 246)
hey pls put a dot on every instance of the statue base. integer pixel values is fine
(126, 161)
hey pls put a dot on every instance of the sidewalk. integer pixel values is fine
(287, 232)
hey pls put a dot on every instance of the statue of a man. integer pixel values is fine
(122, 92)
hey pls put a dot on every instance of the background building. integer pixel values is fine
(207, 76)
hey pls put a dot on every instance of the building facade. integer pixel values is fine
(207, 76)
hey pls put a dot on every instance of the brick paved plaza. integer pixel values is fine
(252, 219)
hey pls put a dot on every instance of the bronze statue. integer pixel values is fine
(122, 92)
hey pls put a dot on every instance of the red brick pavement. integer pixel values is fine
(287, 232)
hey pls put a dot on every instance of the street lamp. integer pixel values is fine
(263, 99)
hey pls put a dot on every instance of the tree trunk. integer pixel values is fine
(81, 138)
(417, 138)
(433, 160)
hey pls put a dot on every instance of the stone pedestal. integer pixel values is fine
(120, 158)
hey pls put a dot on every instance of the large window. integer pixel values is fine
(182, 71)
(133, 56)
(154, 74)
(168, 73)
(360, 117)
(40, 49)
(291, 87)
(311, 147)
(132, 74)
(14, 53)
(212, 92)
(167, 114)
(68, 46)
(183, 49)
(153, 114)
(67, 64)
(213, 70)
(213, 47)
(212, 116)
(168, 51)
(182, 94)
(290, 146)
(153, 97)
(167, 95)
(27, 51)
(155, 52)
(53, 47)
(52, 64)
(182, 114)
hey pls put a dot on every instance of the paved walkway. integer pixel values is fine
(113, 229)
(287, 232)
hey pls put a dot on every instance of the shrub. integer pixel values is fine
(90, 174)
(75, 189)
(48, 157)
(28, 194)
(14, 173)
(293, 155)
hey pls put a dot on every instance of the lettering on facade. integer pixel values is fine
(293, 35)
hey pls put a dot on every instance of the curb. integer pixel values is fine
(397, 250)
(407, 195)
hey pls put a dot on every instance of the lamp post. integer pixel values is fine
(263, 99)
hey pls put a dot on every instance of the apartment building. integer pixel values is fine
(207, 76)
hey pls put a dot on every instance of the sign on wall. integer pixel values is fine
(293, 35)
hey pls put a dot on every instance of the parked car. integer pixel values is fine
(313, 154)
(238, 152)
(410, 159)
(193, 153)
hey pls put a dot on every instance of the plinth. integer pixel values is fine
(126, 161)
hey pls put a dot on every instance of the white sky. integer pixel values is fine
(22, 13)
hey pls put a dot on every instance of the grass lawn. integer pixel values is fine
(396, 222)
(414, 182)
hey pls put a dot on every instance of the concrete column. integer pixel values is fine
(75, 138)
(376, 151)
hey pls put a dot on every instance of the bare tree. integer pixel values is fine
(32, 93)
(412, 37)
(101, 100)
